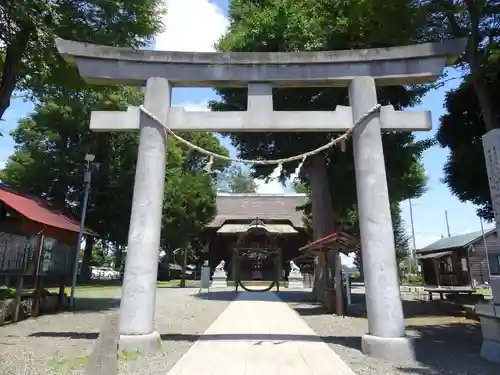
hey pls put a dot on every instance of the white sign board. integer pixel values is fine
(491, 146)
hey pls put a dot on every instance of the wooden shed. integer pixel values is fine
(462, 260)
(37, 242)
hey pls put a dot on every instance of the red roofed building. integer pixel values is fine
(33, 231)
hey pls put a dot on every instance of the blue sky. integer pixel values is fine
(210, 20)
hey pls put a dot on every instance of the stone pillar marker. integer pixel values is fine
(137, 307)
(386, 336)
(489, 313)
(491, 147)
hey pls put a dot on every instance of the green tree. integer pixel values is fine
(48, 161)
(461, 129)
(50, 146)
(477, 21)
(99, 257)
(294, 25)
(236, 179)
(28, 28)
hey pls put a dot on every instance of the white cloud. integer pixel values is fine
(195, 26)
(191, 25)
(194, 107)
(272, 187)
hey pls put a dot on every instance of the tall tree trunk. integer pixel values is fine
(12, 67)
(87, 258)
(486, 102)
(322, 217)
(184, 266)
(118, 257)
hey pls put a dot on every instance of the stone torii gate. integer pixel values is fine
(359, 70)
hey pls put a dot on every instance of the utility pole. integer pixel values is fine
(412, 230)
(89, 158)
(447, 224)
(414, 247)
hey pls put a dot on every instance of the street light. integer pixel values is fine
(89, 158)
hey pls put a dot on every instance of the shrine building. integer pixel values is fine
(257, 234)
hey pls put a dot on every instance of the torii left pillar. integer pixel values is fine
(138, 300)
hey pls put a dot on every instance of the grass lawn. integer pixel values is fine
(85, 288)
(165, 284)
(105, 286)
(484, 292)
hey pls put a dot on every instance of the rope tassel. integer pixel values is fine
(276, 173)
(343, 145)
(208, 167)
(295, 175)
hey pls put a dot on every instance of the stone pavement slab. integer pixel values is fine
(259, 334)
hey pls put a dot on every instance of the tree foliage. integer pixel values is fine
(29, 60)
(236, 179)
(48, 161)
(273, 25)
(479, 22)
(461, 130)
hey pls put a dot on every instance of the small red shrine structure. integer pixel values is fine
(338, 242)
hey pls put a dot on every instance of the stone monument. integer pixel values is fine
(358, 70)
(219, 278)
(489, 313)
(295, 277)
(205, 276)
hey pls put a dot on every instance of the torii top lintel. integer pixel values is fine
(413, 64)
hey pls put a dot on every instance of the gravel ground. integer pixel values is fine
(444, 344)
(61, 344)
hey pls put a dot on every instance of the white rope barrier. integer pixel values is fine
(277, 171)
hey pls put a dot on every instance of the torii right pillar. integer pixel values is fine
(386, 331)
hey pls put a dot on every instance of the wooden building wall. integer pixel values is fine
(477, 258)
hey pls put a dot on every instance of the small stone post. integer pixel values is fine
(139, 282)
(386, 336)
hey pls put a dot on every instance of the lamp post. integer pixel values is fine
(89, 158)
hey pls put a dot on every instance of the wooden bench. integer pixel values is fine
(442, 292)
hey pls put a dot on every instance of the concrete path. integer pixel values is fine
(258, 334)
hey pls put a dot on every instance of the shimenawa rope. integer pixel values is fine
(277, 171)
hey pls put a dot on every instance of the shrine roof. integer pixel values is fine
(347, 243)
(261, 206)
(39, 210)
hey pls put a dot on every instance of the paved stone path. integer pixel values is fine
(258, 334)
